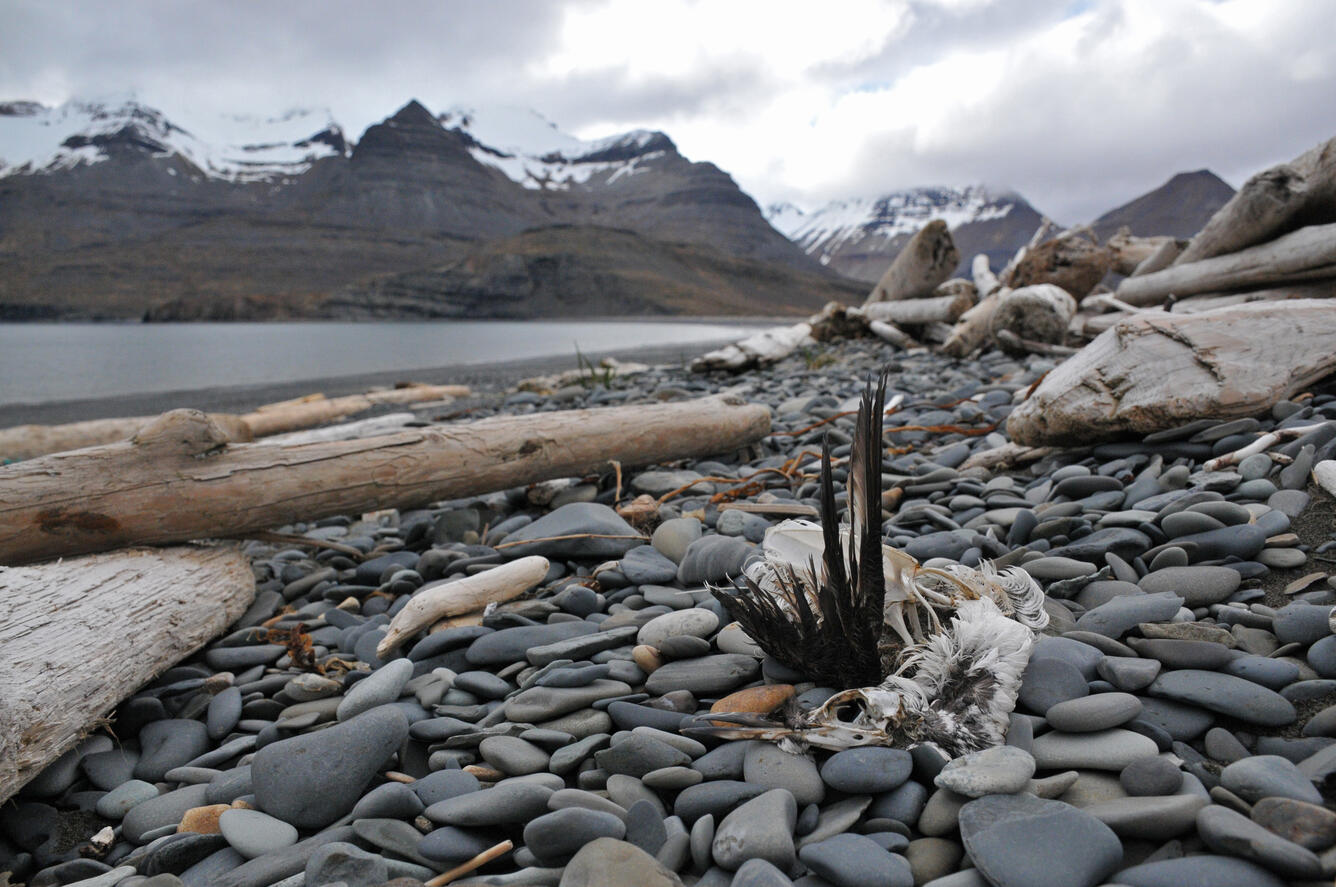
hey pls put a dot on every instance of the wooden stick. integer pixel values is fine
(1306, 254)
(926, 261)
(80, 635)
(476, 862)
(31, 441)
(181, 479)
(1261, 445)
(437, 600)
(918, 311)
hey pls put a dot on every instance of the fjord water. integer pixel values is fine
(41, 362)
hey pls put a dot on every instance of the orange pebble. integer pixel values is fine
(202, 820)
(755, 700)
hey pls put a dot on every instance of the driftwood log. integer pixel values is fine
(30, 441)
(912, 312)
(1163, 256)
(1071, 260)
(80, 635)
(1301, 192)
(1040, 313)
(925, 262)
(180, 479)
(1154, 370)
(891, 334)
(306, 412)
(973, 327)
(985, 281)
(1127, 252)
(762, 349)
(1317, 289)
(1306, 254)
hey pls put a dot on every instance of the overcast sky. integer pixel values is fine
(1078, 104)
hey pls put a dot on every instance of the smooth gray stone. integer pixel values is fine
(713, 559)
(452, 845)
(1085, 657)
(393, 800)
(1100, 711)
(1274, 674)
(1021, 841)
(639, 754)
(1105, 750)
(1198, 871)
(724, 762)
(229, 785)
(902, 804)
(1048, 681)
(280, 864)
(166, 744)
(1120, 615)
(1199, 586)
(252, 833)
(1151, 776)
(645, 827)
(538, 704)
(759, 873)
(769, 766)
(833, 819)
(346, 863)
(693, 621)
(166, 809)
(395, 836)
(1243, 541)
(503, 804)
(555, 837)
(1127, 673)
(223, 713)
(851, 860)
(442, 785)
(383, 686)
(606, 862)
(1231, 833)
(672, 537)
(1266, 776)
(1301, 623)
(1001, 770)
(581, 647)
(116, 803)
(715, 797)
(108, 769)
(1122, 541)
(867, 770)
(1183, 523)
(510, 644)
(313, 779)
(212, 867)
(1102, 590)
(761, 828)
(1153, 818)
(1175, 653)
(707, 676)
(576, 519)
(643, 565)
(513, 756)
(1048, 569)
(1227, 695)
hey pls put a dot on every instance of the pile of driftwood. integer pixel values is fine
(1221, 326)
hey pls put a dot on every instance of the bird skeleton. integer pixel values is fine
(934, 654)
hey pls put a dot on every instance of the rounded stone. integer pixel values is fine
(761, 828)
(555, 837)
(252, 833)
(867, 770)
(1020, 841)
(851, 860)
(1089, 714)
(1106, 750)
(607, 862)
(1048, 681)
(694, 622)
(1266, 776)
(1001, 770)
(771, 767)
(513, 756)
(1151, 776)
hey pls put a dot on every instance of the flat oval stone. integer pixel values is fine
(555, 837)
(867, 770)
(769, 766)
(761, 828)
(639, 754)
(705, 676)
(1226, 831)
(1227, 695)
(1198, 871)
(1021, 841)
(513, 756)
(383, 686)
(503, 804)
(694, 622)
(164, 745)
(1299, 623)
(1002, 770)
(1121, 614)
(1089, 714)
(451, 845)
(1264, 776)
(510, 644)
(312, 779)
(1151, 776)
(1307, 825)
(1180, 654)
(1048, 681)
(1149, 818)
(852, 860)
(538, 704)
(252, 833)
(1105, 750)
(607, 862)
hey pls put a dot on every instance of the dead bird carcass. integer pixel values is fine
(935, 655)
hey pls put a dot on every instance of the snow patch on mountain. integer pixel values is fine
(240, 148)
(530, 149)
(823, 231)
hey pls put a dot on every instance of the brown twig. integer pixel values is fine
(475, 863)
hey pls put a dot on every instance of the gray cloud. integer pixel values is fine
(1077, 126)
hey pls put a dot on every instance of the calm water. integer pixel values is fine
(42, 362)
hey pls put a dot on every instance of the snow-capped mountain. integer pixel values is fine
(238, 148)
(860, 237)
(533, 152)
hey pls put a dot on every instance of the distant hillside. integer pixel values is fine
(113, 210)
(1179, 207)
(577, 270)
(860, 238)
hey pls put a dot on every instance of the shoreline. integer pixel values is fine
(481, 377)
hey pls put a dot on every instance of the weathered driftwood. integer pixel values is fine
(1324, 475)
(30, 441)
(1317, 289)
(1301, 192)
(80, 635)
(1040, 313)
(766, 347)
(306, 412)
(1154, 371)
(912, 312)
(439, 600)
(891, 334)
(1163, 256)
(1041, 233)
(1072, 260)
(180, 479)
(926, 261)
(1016, 345)
(1008, 455)
(985, 281)
(1127, 252)
(973, 327)
(1306, 254)
(386, 424)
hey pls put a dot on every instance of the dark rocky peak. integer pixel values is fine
(331, 136)
(1179, 207)
(411, 133)
(21, 109)
(627, 146)
(128, 139)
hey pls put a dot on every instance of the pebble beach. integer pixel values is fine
(1176, 724)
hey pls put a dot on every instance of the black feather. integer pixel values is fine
(837, 646)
